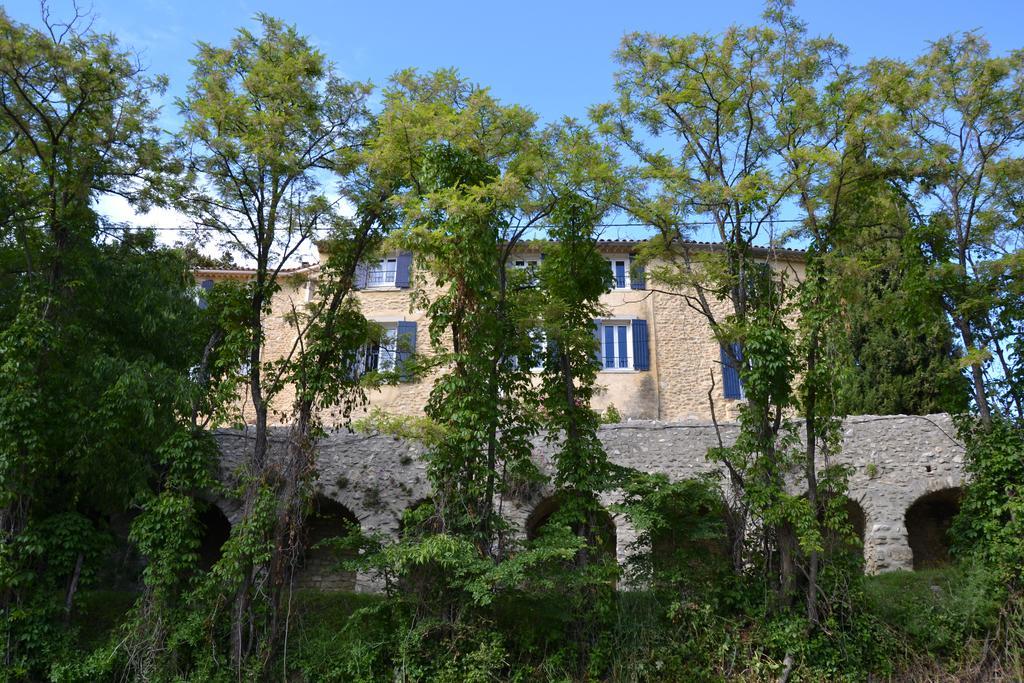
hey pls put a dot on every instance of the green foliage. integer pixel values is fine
(414, 428)
(97, 332)
(990, 526)
(964, 195)
(111, 376)
(466, 168)
(902, 356)
(611, 415)
(941, 611)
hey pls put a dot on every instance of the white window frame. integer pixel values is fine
(522, 262)
(626, 282)
(630, 360)
(528, 263)
(382, 274)
(385, 350)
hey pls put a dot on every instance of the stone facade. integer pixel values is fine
(684, 357)
(894, 461)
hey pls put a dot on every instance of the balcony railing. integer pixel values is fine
(380, 277)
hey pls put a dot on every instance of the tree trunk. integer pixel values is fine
(811, 473)
(977, 373)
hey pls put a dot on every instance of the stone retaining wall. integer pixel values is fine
(895, 460)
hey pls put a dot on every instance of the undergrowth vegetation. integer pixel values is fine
(117, 367)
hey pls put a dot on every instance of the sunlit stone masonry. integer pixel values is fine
(907, 473)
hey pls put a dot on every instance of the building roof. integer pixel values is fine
(787, 253)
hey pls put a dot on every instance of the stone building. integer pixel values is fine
(659, 358)
(661, 368)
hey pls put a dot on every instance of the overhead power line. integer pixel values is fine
(125, 226)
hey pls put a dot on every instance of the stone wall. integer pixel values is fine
(894, 460)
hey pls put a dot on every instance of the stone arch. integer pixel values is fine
(215, 529)
(857, 518)
(927, 522)
(696, 534)
(549, 507)
(319, 568)
(841, 543)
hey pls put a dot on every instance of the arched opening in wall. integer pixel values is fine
(555, 510)
(850, 540)
(690, 540)
(320, 566)
(214, 532)
(857, 519)
(928, 521)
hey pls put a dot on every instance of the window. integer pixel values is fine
(538, 348)
(381, 355)
(622, 345)
(390, 352)
(382, 273)
(620, 273)
(392, 271)
(528, 264)
(616, 345)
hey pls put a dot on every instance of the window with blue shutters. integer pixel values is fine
(731, 383)
(389, 351)
(622, 344)
(620, 272)
(391, 271)
(381, 354)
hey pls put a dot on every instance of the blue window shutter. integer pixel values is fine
(402, 270)
(406, 347)
(638, 276)
(206, 285)
(362, 275)
(597, 343)
(641, 348)
(730, 374)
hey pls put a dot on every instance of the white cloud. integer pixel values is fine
(118, 209)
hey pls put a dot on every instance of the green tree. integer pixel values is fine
(902, 355)
(470, 171)
(954, 126)
(268, 126)
(731, 130)
(98, 326)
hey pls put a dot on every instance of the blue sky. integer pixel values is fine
(554, 57)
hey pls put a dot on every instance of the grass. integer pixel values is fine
(939, 610)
